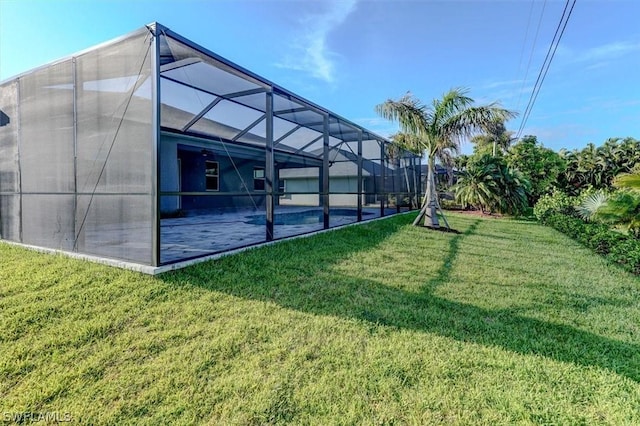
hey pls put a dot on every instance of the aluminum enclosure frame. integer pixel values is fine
(334, 146)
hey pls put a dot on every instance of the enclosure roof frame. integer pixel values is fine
(156, 28)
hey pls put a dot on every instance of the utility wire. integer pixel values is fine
(552, 55)
(526, 35)
(533, 47)
(546, 64)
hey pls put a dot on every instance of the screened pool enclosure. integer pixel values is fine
(152, 150)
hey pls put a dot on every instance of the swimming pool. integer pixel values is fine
(306, 217)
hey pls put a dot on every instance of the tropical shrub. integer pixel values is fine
(622, 208)
(616, 247)
(556, 202)
(589, 203)
(619, 209)
(489, 185)
(540, 166)
(597, 166)
(450, 205)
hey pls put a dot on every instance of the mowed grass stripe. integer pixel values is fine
(504, 322)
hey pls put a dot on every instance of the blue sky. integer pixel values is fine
(349, 55)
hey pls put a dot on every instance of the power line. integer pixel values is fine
(533, 47)
(547, 63)
(526, 35)
(552, 55)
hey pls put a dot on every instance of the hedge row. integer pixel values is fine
(616, 247)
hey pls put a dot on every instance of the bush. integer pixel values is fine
(450, 205)
(556, 202)
(616, 247)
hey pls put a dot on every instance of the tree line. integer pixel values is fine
(505, 175)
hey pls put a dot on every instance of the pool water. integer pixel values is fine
(304, 217)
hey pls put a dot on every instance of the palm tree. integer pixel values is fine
(621, 208)
(488, 184)
(597, 167)
(497, 136)
(477, 186)
(588, 208)
(438, 128)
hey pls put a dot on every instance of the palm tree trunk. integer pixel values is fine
(429, 209)
(416, 184)
(431, 214)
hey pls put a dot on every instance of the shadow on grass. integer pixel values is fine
(301, 275)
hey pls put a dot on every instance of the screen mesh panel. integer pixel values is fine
(202, 96)
(114, 118)
(46, 138)
(227, 120)
(255, 101)
(302, 140)
(211, 223)
(390, 181)
(299, 202)
(114, 139)
(9, 171)
(77, 156)
(10, 217)
(47, 220)
(343, 178)
(373, 186)
(343, 188)
(213, 196)
(180, 104)
(207, 76)
(46, 162)
(115, 226)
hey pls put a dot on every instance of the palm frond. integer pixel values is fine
(407, 111)
(472, 120)
(452, 103)
(409, 142)
(620, 208)
(630, 181)
(588, 209)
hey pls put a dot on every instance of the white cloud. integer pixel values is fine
(379, 125)
(608, 51)
(590, 105)
(599, 56)
(497, 84)
(310, 52)
(597, 65)
(562, 135)
(509, 97)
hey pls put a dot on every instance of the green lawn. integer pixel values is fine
(506, 322)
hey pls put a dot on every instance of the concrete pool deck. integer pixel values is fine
(210, 233)
(194, 239)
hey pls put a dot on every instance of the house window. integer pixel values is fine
(212, 175)
(258, 178)
(282, 189)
